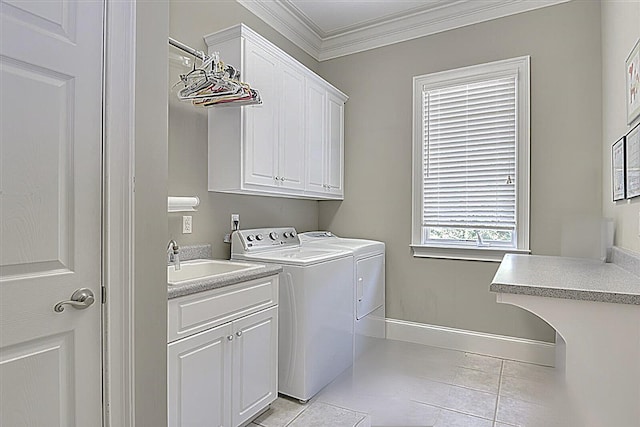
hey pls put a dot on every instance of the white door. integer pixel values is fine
(50, 208)
(316, 137)
(199, 379)
(261, 156)
(291, 145)
(255, 361)
(335, 153)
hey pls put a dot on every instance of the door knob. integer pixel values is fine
(81, 299)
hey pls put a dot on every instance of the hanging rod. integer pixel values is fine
(188, 49)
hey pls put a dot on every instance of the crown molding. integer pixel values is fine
(285, 18)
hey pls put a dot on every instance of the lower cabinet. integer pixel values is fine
(199, 379)
(226, 375)
(254, 383)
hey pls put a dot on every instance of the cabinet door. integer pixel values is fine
(315, 120)
(291, 159)
(199, 379)
(261, 121)
(255, 355)
(335, 145)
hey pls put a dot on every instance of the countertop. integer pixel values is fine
(569, 278)
(201, 285)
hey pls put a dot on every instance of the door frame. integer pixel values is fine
(118, 173)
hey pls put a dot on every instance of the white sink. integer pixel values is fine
(205, 268)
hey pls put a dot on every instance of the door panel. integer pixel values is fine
(36, 175)
(316, 137)
(335, 145)
(255, 353)
(57, 18)
(198, 379)
(39, 369)
(261, 157)
(291, 160)
(50, 204)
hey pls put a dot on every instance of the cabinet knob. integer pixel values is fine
(239, 333)
(230, 337)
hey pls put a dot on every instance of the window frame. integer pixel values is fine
(460, 76)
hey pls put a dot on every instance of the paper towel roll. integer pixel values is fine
(182, 204)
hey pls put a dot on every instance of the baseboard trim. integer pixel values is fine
(524, 350)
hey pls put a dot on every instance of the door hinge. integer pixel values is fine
(103, 295)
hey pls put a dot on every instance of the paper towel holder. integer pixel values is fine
(182, 204)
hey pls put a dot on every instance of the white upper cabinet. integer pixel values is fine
(335, 144)
(292, 144)
(316, 137)
(262, 136)
(291, 161)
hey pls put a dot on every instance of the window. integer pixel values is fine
(471, 162)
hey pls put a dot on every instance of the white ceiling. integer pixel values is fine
(328, 29)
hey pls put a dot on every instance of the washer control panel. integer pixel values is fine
(256, 239)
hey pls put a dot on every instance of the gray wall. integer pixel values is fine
(566, 179)
(150, 293)
(189, 22)
(620, 31)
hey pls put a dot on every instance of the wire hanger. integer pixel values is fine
(213, 83)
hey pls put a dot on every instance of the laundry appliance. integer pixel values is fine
(316, 310)
(368, 282)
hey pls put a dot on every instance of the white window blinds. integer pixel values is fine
(469, 155)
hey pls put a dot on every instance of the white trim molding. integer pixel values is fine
(520, 68)
(280, 18)
(118, 214)
(284, 17)
(505, 347)
(488, 254)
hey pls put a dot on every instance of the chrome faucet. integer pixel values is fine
(173, 250)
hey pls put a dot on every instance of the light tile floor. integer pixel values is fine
(404, 384)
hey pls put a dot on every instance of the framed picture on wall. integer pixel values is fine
(617, 170)
(632, 71)
(632, 156)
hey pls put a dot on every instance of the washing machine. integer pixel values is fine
(315, 312)
(368, 282)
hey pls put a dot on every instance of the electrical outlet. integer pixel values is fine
(235, 222)
(187, 224)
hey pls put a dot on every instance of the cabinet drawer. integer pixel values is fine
(194, 313)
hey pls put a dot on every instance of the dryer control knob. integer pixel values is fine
(250, 238)
(259, 237)
(286, 235)
(293, 234)
(273, 235)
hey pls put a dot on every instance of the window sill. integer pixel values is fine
(490, 254)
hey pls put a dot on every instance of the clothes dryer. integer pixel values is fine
(368, 282)
(315, 326)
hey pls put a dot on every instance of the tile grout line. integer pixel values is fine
(446, 408)
(295, 418)
(466, 387)
(495, 413)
